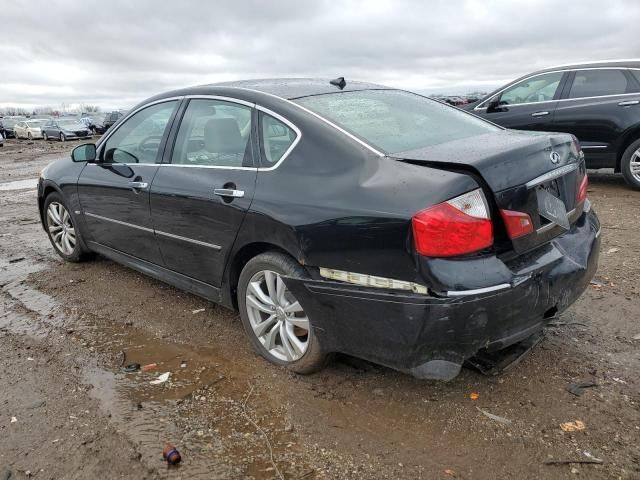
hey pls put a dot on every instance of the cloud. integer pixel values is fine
(118, 52)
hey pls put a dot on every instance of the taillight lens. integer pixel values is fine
(458, 226)
(518, 224)
(582, 189)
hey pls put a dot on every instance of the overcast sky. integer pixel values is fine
(114, 53)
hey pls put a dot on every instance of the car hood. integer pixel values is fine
(73, 127)
(504, 159)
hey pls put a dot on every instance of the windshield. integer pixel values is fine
(394, 120)
(35, 123)
(68, 122)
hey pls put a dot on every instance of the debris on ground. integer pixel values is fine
(171, 454)
(449, 472)
(578, 388)
(619, 380)
(5, 473)
(183, 364)
(161, 379)
(596, 284)
(149, 366)
(613, 250)
(576, 426)
(474, 395)
(132, 367)
(199, 310)
(569, 461)
(14, 419)
(504, 421)
(16, 260)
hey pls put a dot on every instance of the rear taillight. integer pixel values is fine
(582, 190)
(518, 224)
(456, 227)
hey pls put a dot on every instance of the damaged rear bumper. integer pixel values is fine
(431, 336)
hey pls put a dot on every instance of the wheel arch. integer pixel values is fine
(47, 189)
(237, 262)
(627, 139)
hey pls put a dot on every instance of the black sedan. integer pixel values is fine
(64, 129)
(337, 217)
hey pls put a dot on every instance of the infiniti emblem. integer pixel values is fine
(555, 157)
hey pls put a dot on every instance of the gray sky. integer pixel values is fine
(114, 53)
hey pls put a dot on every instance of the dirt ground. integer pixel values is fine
(69, 410)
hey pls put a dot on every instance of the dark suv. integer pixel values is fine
(111, 118)
(599, 103)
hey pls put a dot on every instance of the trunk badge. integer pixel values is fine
(555, 157)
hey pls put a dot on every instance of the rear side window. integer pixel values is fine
(596, 83)
(277, 138)
(214, 133)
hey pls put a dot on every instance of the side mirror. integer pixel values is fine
(496, 106)
(84, 153)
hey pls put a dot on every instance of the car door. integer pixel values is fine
(200, 196)
(526, 105)
(114, 191)
(597, 106)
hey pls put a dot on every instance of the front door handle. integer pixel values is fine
(539, 114)
(628, 102)
(229, 192)
(139, 185)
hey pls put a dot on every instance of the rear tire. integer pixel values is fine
(62, 230)
(275, 328)
(630, 165)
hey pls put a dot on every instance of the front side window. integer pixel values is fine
(394, 120)
(596, 83)
(138, 139)
(214, 133)
(277, 137)
(540, 88)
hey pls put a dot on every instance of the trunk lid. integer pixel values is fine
(516, 169)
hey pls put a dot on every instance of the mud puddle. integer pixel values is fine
(203, 408)
(29, 184)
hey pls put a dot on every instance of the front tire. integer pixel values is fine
(273, 319)
(62, 231)
(45, 137)
(29, 136)
(62, 137)
(630, 165)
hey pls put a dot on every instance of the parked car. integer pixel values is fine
(111, 118)
(8, 124)
(95, 123)
(337, 217)
(29, 129)
(599, 103)
(64, 129)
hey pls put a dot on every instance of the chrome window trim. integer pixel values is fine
(154, 231)
(216, 167)
(478, 291)
(593, 146)
(328, 122)
(291, 147)
(222, 98)
(480, 107)
(558, 172)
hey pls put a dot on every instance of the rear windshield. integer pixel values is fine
(394, 120)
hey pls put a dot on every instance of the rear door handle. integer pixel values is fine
(628, 102)
(228, 192)
(539, 114)
(139, 185)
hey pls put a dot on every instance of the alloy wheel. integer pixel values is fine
(62, 137)
(277, 318)
(61, 229)
(634, 165)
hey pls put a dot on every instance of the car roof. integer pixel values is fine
(632, 63)
(290, 88)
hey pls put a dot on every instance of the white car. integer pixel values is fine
(29, 129)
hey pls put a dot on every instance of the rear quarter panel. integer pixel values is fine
(333, 203)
